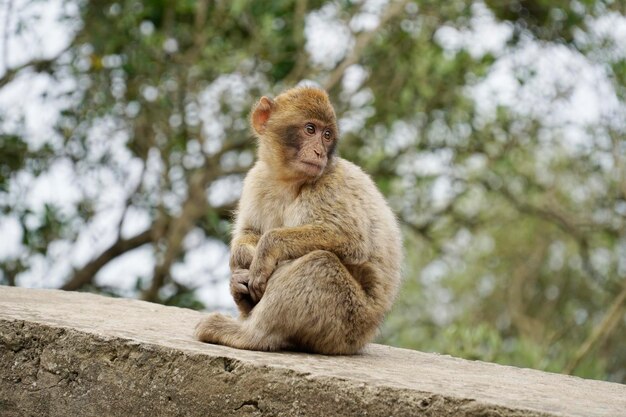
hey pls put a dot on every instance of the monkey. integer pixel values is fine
(316, 251)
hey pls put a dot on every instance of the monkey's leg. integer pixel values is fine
(315, 304)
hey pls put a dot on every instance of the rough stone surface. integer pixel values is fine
(76, 354)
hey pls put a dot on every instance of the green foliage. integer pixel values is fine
(14, 151)
(185, 298)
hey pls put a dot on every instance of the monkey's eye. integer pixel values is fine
(310, 128)
(327, 135)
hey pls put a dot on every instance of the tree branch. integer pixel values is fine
(86, 274)
(299, 39)
(599, 332)
(362, 41)
(193, 208)
(39, 65)
(127, 202)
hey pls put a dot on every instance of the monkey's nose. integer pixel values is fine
(318, 153)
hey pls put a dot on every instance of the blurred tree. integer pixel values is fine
(513, 212)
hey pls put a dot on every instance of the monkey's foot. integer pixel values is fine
(214, 327)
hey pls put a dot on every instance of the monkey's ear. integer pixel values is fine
(261, 114)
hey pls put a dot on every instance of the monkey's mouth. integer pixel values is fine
(311, 167)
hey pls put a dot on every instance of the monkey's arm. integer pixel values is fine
(243, 248)
(293, 242)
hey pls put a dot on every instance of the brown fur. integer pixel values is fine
(316, 251)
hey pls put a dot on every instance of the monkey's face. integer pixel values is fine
(297, 132)
(308, 145)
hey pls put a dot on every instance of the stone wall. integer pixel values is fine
(76, 354)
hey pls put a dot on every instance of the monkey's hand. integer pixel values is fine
(260, 271)
(239, 283)
(239, 290)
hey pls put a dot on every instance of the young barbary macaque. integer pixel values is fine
(316, 250)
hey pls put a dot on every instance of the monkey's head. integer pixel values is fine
(297, 132)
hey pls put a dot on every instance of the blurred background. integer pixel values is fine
(496, 129)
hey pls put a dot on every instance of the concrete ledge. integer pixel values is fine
(74, 354)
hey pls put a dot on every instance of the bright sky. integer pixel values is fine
(328, 40)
